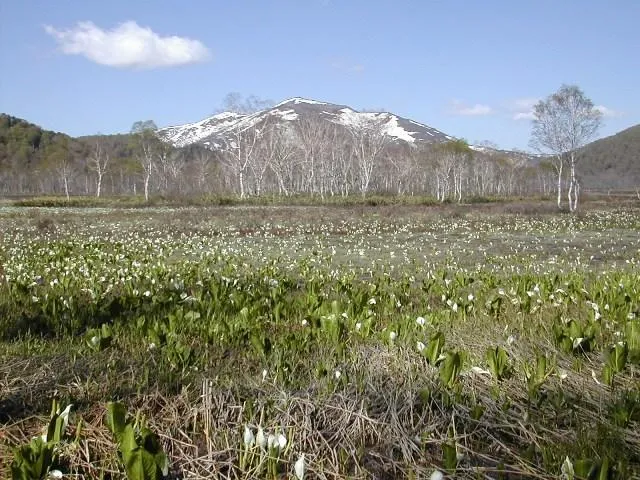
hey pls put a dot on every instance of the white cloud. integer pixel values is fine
(607, 112)
(128, 46)
(460, 108)
(524, 115)
(522, 108)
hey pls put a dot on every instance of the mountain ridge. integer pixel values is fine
(214, 130)
(611, 162)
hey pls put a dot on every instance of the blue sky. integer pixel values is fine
(469, 68)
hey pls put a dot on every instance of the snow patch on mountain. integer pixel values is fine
(181, 135)
(351, 118)
(478, 148)
(394, 130)
(387, 122)
(285, 114)
(299, 100)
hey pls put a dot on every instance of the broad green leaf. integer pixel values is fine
(450, 368)
(116, 418)
(450, 457)
(584, 468)
(498, 362)
(434, 348)
(128, 442)
(617, 357)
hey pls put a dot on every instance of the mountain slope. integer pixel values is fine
(24, 145)
(217, 130)
(612, 162)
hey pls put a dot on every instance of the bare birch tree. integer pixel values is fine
(311, 139)
(563, 123)
(340, 161)
(452, 160)
(369, 141)
(99, 162)
(277, 151)
(202, 163)
(145, 143)
(241, 150)
(62, 164)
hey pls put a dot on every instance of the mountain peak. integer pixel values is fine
(218, 129)
(298, 100)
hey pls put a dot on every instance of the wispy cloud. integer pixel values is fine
(457, 107)
(608, 112)
(522, 108)
(128, 46)
(524, 115)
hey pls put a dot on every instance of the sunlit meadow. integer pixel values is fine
(323, 342)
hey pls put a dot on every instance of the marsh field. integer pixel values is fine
(483, 341)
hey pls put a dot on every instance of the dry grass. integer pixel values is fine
(386, 427)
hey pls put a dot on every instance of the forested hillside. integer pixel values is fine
(34, 161)
(612, 162)
(27, 151)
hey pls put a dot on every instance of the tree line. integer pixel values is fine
(308, 156)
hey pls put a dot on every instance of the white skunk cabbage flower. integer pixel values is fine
(479, 371)
(249, 439)
(567, 469)
(282, 441)
(277, 443)
(437, 475)
(261, 440)
(64, 415)
(298, 467)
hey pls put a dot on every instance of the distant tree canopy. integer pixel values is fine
(457, 146)
(33, 160)
(23, 143)
(143, 125)
(235, 102)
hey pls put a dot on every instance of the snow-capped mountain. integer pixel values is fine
(217, 130)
